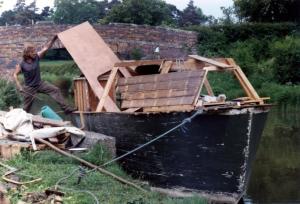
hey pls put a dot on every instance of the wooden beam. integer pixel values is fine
(210, 61)
(245, 83)
(107, 88)
(169, 108)
(200, 88)
(138, 63)
(165, 67)
(208, 87)
(125, 72)
(131, 110)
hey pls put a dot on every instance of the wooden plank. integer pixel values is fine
(166, 67)
(153, 78)
(199, 89)
(169, 108)
(208, 87)
(92, 55)
(210, 61)
(247, 86)
(137, 63)
(131, 110)
(125, 72)
(108, 86)
(176, 85)
(169, 93)
(158, 102)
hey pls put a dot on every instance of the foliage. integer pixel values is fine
(216, 40)
(51, 167)
(268, 11)
(22, 14)
(286, 53)
(9, 95)
(60, 73)
(150, 12)
(136, 54)
(78, 11)
(192, 15)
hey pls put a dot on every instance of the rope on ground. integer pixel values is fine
(88, 164)
(57, 185)
(187, 120)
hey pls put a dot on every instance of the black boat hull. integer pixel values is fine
(212, 154)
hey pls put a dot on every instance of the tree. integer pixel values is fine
(228, 15)
(192, 15)
(21, 14)
(150, 12)
(268, 10)
(78, 11)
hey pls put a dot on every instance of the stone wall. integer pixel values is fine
(122, 38)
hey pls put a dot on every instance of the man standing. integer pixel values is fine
(30, 67)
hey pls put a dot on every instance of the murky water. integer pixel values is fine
(276, 174)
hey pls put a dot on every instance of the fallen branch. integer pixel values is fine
(88, 164)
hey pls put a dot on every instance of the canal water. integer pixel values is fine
(275, 177)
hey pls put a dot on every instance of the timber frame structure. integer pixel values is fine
(163, 97)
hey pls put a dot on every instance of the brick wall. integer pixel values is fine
(122, 38)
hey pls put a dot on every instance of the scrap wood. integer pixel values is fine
(88, 164)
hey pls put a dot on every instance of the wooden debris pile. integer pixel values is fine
(17, 132)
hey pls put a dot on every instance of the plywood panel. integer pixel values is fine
(160, 77)
(167, 85)
(92, 56)
(162, 90)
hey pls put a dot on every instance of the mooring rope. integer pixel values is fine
(187, 120)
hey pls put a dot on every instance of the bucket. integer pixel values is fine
(47, 112)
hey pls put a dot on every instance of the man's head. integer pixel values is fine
(29, 52)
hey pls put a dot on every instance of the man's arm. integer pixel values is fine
(16, 73)
(42, 52)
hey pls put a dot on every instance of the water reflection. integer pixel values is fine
(276, 173)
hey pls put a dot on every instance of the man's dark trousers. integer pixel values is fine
(46, 88)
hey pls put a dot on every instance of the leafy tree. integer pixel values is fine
(78, 11)
(268, 10)
(150, 12)
(192, 15)
(228, 15)
(21, 14)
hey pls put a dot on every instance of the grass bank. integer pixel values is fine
(51, 167)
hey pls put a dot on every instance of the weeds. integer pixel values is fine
(51, 167)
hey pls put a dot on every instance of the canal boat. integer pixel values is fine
(187, 140)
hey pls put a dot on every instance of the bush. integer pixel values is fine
(9, 95)
(286, 53)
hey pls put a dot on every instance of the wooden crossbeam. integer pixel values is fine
(210, 61)
(208, 87)
(245, 83)
(138, 63)
(107, 88)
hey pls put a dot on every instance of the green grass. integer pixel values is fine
(51, 166)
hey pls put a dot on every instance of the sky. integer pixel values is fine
(209, 7)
